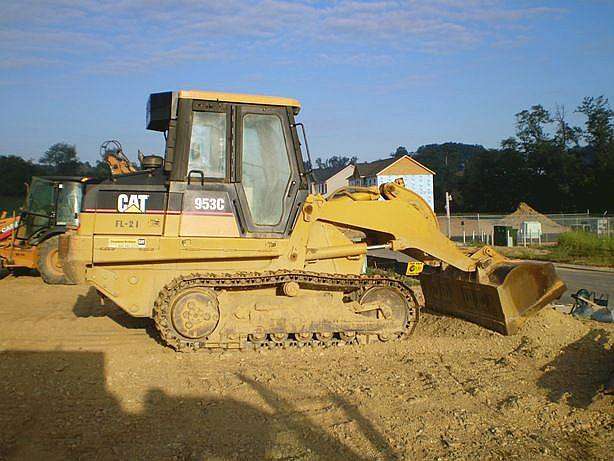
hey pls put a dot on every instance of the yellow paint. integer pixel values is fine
(126, 224)
(239, 98)
(208, 226)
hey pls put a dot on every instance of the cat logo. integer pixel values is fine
(133, 203)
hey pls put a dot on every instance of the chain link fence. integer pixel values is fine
(523, 229)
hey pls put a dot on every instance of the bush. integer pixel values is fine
(585, 244)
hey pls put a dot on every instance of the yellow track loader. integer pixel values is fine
(221, 243)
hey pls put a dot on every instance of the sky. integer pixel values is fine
(371, 75)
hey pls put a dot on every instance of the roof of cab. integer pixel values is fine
(239, 98)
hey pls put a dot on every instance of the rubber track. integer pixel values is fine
(241, 280)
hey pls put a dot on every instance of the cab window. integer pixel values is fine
(69, 203)
(265, 167)
(208, 144)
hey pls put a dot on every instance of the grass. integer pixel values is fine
(585, 246)
(573, 248)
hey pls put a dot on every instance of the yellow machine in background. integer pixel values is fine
(222, 244)
(29, 240)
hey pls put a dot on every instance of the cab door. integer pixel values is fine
(266, 170)
(207, 198)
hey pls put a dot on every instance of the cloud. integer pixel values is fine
(355, 59)
(133, 35)
(17, 62)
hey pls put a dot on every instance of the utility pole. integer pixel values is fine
(448, 200)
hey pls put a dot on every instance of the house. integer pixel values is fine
(415, 176)
(328, 180)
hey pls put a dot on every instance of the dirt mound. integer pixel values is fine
(435, 325)
(525, 213)
(472, 226)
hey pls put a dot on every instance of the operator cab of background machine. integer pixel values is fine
(232, 167)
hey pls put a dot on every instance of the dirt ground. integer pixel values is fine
(83, 381)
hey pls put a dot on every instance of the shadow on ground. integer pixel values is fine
(22, 272)
(55, 405)
(91, 305)
(580, 370)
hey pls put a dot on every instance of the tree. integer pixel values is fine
(530, 128)
(336, 161)
(510, 144)
(599, 129)
(14, 173)
(565, 134)
(102, 171)
(399, 152)
(61, 159)
(448, 161)
(599, 133)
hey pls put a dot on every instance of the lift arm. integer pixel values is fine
(403, 214)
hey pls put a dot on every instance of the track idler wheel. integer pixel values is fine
(387, 303)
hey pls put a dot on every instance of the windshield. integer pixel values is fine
(38, 208)
(40, 197)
